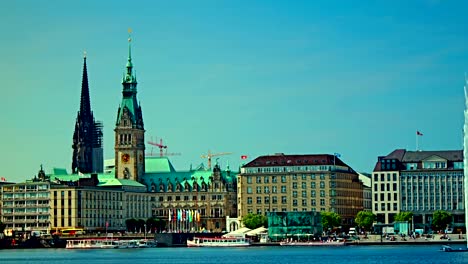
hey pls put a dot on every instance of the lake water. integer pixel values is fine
(258, 255)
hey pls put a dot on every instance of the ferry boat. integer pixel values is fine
(91, 244)
(146, 243)
(109, 243)
(218, 242)
(313, 243)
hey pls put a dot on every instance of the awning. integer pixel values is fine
(238, 233)
(257, 231)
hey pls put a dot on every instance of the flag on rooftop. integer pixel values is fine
(244, 157)
(418, 133)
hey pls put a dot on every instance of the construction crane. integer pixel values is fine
(210, 155)
(161, 146)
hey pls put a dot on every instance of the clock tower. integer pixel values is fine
(129, 129)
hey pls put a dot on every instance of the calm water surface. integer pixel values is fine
(259, 255)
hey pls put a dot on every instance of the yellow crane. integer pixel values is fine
(210, 155)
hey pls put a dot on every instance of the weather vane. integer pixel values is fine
(129, 34)
(84, 54)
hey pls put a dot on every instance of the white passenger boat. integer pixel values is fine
(146, 243)
(109, 243)
(313, 243)
(91, 244)
(218, 242)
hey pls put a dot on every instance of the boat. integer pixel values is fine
(146, 243)
(447, 248)
(314, 243)
(109, 243)
(218, 242)
(91, 244)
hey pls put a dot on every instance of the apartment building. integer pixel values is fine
(26, 206)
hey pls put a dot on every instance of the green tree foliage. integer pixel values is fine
(253, 221)
(2, 227)
(141, 225)
(403, 216)
(330, 220)
(155, 224)
(441, 219)
(131, 224)
(365, 219)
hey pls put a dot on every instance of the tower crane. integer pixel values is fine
(210, 155)
(161, 146)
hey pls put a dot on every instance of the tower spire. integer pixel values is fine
(85, 104)
(87, 138)
(129, 63)
(130, 149)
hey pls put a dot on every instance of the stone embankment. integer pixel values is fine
(435, 239)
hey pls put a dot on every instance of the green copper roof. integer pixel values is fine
(105, 179)
(158, 165)
(169, 176)
(118, 182)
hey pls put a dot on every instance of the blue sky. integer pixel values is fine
(247, 77)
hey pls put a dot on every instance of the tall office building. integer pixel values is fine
(420, 182)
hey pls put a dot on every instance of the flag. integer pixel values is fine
(337, 155)
(418, 133)
(244, 157)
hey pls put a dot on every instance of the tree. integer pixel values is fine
(330, 220)
(365, 219)
(141, 225)
(154, 224)
(2, 228)
(440, 220)
(131, 224)
(253, 221)
(403, 217)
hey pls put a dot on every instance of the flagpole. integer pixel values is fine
(417, 141)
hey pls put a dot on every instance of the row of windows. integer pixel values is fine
(125, 139)
(390, 177)
(25, 188)
(259, 211)
(386, 207)
(293, 169)
(284, 200)
(383, 189)
(382, 197)
(274, 179)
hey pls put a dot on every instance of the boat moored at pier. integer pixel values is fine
(218, 242)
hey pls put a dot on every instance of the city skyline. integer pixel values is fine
(248, 77)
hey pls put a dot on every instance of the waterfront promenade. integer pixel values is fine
(381, 240)
(179, 240)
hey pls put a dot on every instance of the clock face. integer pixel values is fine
(125, 158)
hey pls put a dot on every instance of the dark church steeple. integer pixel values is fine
(87, 138)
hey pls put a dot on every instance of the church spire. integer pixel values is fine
(87, 138)
(85, 104)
